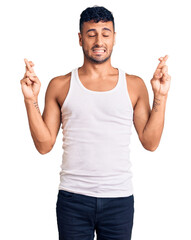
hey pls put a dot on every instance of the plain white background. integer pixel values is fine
(46, 32)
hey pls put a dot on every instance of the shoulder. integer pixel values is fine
(57, 84)
(136, 82)
(136, 88)
(134, 79)
(60, 79)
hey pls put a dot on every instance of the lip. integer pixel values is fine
(97, 50)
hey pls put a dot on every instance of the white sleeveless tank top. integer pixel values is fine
(96, 136)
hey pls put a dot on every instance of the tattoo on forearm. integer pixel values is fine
(156, 103)
(36, 105)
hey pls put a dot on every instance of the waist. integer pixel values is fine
(100, 185)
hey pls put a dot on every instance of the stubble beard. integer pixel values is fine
(94, 60)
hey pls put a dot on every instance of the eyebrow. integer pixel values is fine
(93, 29)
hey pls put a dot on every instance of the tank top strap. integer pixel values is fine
(122, 77)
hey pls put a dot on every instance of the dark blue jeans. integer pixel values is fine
(79, 215)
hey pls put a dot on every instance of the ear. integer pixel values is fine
(80, 38)
(114, 38)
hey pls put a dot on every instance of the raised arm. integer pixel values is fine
(44, 129)
(149, 123)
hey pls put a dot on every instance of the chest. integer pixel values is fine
(104, 85)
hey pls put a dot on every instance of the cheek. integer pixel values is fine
(109, 42)
(110, 45)
(87, 44)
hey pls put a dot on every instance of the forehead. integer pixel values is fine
(97, 26)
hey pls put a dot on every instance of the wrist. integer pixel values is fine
(31, 100)
(160, 96)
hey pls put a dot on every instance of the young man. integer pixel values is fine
(96, 104)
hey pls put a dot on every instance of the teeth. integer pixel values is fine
(98, 50)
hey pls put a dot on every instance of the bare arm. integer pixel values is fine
(149, 124)
(142, 111)
(154, 127)
(44, 129)
(52, 113)
(39, 131)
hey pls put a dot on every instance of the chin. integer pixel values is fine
(99, 61)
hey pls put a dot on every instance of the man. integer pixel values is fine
(96, 105)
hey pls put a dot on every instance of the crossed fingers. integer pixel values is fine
(161, 70)
(29, 69)
(28, 65)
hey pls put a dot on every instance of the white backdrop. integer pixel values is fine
(46, 32)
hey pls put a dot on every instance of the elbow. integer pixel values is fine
(149, 143)
(149, 146)
(44, 148)
(152, 149)
(43, 151)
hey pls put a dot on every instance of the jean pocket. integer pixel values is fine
(65, 194)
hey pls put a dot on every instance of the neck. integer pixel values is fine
(96, 69)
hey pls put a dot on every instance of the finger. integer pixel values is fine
(163, 61)
(164, 69)
(157, 74)
(28, 65)
(163, 58)
(165, 77)
(26, 69)
(29, 74)
(31, 63)
(32, 77)
(26, 81)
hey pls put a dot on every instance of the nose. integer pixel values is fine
(99, 40)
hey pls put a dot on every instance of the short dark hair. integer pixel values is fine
(97, 14)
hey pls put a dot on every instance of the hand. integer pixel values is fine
(30, 83)
(161, 80)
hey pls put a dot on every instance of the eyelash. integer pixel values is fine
(103, 35)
